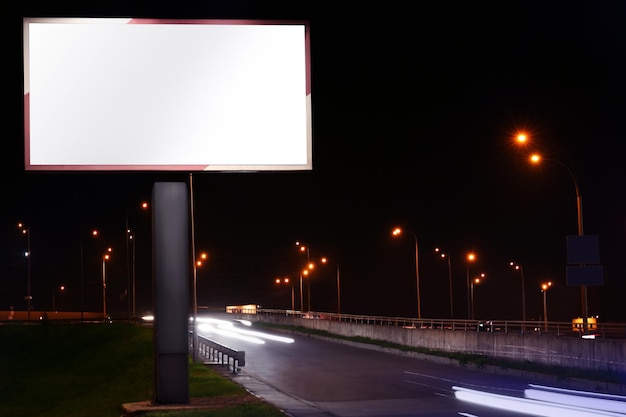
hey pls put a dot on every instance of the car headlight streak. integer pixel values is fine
(226, 328)
(544, 402)
(595, 401)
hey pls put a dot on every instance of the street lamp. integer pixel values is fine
(446, 257)
(471, 257)
(203, 257)
(324, 261)
(93, 233)
(536, 158)
(475, 281)
(26, 232)
(397, 232)
(61, 288)
(303, 249)
(286, 280)
(519, 268)
(544, 289)
(130, 272)
(306, 272)
(106, 257)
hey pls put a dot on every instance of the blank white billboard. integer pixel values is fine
(112, 94)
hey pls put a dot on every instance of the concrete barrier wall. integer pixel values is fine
(544, 348)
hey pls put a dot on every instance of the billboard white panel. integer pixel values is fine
(166, 95)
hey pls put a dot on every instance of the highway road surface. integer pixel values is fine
(307, 376)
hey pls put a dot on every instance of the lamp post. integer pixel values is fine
(325, 261)
(446, 257)
(61, 288)
(475, 281)
(301, 301)
(519, 268)
(93, 233)
(131, 266)
(106, 257)
(535, 158)
(307, 272)
(544, 289)
(471, 257)
(304, 249)
(26, 232)
(199, 262)
(397, 232)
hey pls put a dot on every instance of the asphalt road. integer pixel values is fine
(335, 379)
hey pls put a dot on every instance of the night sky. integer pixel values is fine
(414, 115)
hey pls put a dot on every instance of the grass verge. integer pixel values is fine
(63, 370)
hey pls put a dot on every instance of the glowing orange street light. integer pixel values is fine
(61, 288)
(325, 261)
(476, 281)
(535, 158)
(106, 257)
(306, 273)
(131, 264)
(397, 232)
(544, 289)
(203, 257)
(287, 281)
(303, 248)
(518, 267)
(471, 257)
(521, 137)
(446, 256)
(26, 232)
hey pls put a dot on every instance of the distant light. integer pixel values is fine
(521, 138)
(535, 158)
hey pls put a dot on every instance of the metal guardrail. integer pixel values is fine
(217, 353)
(599, 330)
